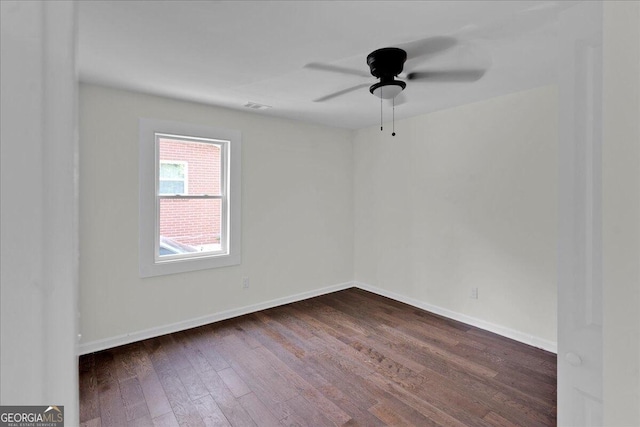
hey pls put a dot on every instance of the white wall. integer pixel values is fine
(621, 213)
(39, 274)
(465, 198)
(297, 217)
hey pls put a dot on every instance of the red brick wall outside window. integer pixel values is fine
(195, 222)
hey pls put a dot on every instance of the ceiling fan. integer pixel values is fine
(387, 63)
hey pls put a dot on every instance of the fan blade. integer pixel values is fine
(336, 69)
(428, 46)
(470, 75)
(341, 92)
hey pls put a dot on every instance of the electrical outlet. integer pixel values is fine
(245, 283)
(474, 293)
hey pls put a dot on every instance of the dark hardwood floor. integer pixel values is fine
(347, 358)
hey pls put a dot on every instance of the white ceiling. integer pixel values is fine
(230, 53)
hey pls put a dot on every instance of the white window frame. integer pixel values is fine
(186, 174)
(150, 263)
(224, 150)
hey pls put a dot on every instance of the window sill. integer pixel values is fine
(185, 265)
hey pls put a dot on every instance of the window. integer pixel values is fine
(191, 217)
(189, 197)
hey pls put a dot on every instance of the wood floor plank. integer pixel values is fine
(89, 396)
(258, 411)
(112, 412)
(225, 400)
(212, 381)
(234, 382)
(531, 386)
(95, 422)
(269, 333)
(183, 408)
(192, 382)
(346, 358)
(521, 412)
(124, 362)
(207, 346)
(210, 412)
(395, 413)
(234, 412)
(111, 406)
(145, 421)
(166, 420)
(304, 413)
(386, 415)
(498, 421)
(175, 352)
(157, 356)
(189, 340)
(154, 394)
(135, 404)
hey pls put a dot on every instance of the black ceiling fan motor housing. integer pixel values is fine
(386, 63)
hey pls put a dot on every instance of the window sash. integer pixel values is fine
(224, 219)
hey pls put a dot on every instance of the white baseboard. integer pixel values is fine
(487, 326)
(103, 344)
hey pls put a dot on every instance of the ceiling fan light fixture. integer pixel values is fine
(387, 89)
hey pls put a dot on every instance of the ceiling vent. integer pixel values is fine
(256, 106)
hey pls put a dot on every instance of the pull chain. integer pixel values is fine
(381, 110)
(393, 117)
(393, 122)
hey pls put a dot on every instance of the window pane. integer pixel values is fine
(198, 163)
(190, 226)
(172, 171)
(171, 187)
